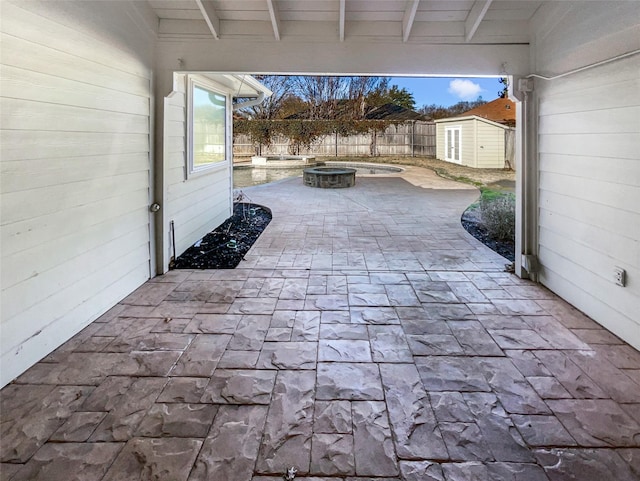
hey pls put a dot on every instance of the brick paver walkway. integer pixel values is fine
(365, 337)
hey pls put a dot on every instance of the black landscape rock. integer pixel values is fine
(227, 245)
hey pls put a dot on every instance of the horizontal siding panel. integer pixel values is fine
(29, 233)
(175, 175)
(32, 26)
(28, 55)
(175, 116)
(23, 84)
(36, 174)
(603, 145)
(557, 279)
(599, 98)
(22, 296)
(38, 259)
(179, 96)
(604, 242)
(54, 309)
(606, 79)
(610, 121)
(34, 144)
(614, 170)
(588, 138)
(175, 145)
(75, 145)
(78, 317)
(197, 227)
(622, 197)
(623, 223)
(27, 115)
(18, 206)
(193, 203)
(180, 187)
(594, 274)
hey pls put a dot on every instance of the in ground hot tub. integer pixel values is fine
(329, 177)
(282, 160)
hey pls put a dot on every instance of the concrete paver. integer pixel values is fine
(365, 336)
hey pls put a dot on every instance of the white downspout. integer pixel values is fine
(250, 103)
(526, 181)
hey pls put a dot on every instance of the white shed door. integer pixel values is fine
(453, 144)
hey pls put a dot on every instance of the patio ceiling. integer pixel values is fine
(390, 21)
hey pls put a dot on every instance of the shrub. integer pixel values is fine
(498, 214)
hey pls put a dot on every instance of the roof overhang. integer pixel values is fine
(471, 117)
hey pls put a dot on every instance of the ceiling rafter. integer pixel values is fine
(409, 17)
(343, 6)
(209, 14)
(477, 13)
(275, 18)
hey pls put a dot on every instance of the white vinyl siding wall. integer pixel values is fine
(589, 168)
(468, 145)
(198, 203)
(75, 173)
(489, 145)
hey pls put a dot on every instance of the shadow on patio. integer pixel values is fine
(365, 335)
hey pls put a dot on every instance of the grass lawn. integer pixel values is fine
(485, 179)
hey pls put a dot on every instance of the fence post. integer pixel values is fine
(413, 143)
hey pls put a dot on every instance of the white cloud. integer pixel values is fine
(464, 89)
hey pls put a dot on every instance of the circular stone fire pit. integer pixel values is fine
(329, 177)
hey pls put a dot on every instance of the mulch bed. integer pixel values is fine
(227, 245)
(505, 248)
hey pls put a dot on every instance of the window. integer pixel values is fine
(453, 143)
(207, 128)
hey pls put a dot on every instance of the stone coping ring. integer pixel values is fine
(329, 177)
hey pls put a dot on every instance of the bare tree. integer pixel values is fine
(281, 86)
(320, 93)
(359, 89)
(331, 97)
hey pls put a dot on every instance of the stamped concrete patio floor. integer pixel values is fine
(366, 336)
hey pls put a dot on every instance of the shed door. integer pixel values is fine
(453, 143)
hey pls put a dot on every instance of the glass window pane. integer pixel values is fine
(208, 127)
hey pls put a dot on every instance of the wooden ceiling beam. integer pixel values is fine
(275, 18)
(477, 13)
(209, 14)
(409, 17)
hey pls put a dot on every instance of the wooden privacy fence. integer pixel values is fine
(411, 138)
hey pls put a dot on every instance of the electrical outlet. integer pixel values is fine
(619, 276)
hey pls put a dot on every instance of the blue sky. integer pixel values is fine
(448, 91)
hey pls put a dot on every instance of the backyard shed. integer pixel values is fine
(479, 137)
(471, 141)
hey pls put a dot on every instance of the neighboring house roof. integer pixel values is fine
(499, 110)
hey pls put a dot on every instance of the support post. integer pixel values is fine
(526, 248)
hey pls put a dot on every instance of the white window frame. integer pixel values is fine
(447, 146)
(191, 169)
